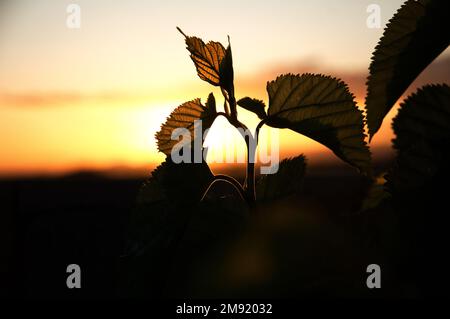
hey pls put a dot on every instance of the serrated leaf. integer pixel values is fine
(184, 116)
(323, 109)
(207, 58)
(423, 115)
(422, 129)
(253, 105)
(226, 72)
(286, 181)
(414, 37)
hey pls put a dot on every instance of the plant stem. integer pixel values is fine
(227, 100)
(226, 108)
(229, 180)
(232, 118)
(250, 179)
(258, 128)
(251, 150)
(233, 107)
(251, 154)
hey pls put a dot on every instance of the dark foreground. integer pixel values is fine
(47, 224)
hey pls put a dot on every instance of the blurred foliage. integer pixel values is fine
(413, 38)
(422, 129)
(288, 180)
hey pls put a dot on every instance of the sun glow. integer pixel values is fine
(56, 117)
(80, 137)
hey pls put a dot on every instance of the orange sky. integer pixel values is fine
(92, 98)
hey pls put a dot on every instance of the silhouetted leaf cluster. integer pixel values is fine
(287, 181)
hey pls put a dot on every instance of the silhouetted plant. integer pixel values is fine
(314, 105)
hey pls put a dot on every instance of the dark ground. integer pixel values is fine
(49, 223)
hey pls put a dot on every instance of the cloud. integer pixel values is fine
(50, 99)
(253, 84)
(436, 72)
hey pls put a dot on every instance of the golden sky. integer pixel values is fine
(92, 98)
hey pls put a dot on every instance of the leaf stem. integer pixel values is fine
(258, 128)
(226, 107)
(233, 108)
(250, 179)
(227, 101)
(249, 185)
(229, 180)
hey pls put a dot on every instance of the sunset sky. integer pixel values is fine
(92, 98)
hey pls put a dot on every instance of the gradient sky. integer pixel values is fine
(92, 98)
